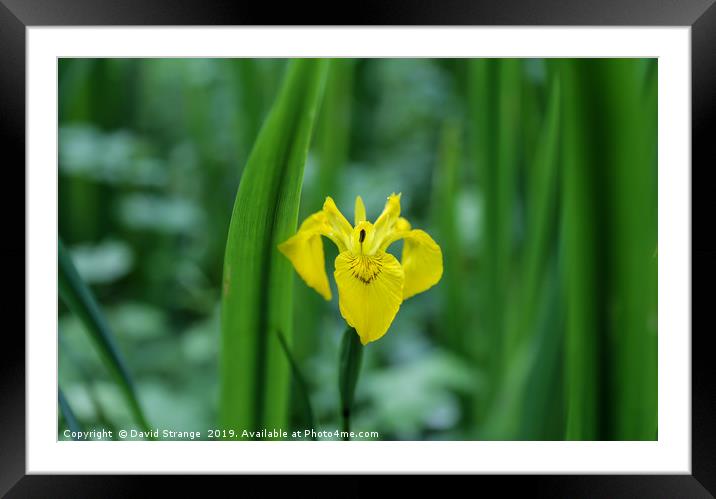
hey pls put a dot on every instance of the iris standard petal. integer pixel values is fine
(370, 291)
(359, 212)
(422, 262)
(305, 252)
(385, 223)
(340, 227)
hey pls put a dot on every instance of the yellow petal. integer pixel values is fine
(359, 211)
(401, 228)
(340, 227)
(362, 239)
(402, 224)
(370, 291)
(305, 251)
(385, 223)
(422, 262)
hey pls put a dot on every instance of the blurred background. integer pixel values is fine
(538, 178)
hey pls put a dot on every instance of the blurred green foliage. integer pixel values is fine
(537, 178)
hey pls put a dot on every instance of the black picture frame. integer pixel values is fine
(700, 15)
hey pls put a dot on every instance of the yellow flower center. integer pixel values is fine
(364, 268)
(362, 240)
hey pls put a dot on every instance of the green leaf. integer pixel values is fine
(80, 300)
(257, 290)
(495, 95)
(534, 331)
(333, 129)
(630, 183)
(448, 180)
(583, 253)
(542, 209)
(610, 233)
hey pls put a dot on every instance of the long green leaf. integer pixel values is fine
(631, 165)
(333, 127)
(447, 182)
(534, 330)
(609, 230)
(502, 216)
(495, 99)
(78, 298)
(542, 209)
(485, 346)
(257, 291)
(583, 255)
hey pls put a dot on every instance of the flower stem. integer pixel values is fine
(349, 363)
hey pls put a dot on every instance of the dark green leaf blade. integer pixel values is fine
(80, 300)
(257, 291)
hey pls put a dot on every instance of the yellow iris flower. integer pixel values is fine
(371, 282)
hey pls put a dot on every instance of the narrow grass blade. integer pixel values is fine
(350, 359)
(584, 253)
(334, 126)
(68, 414)
(541, 212)
(253, 101)
(495, 96)
(529, 406)
(631, 176)
(80, 300)
(485, 345)
(448, 178)
(257, 290)
(502, 214)
(610, 233)
(300, 383)
(535, 332)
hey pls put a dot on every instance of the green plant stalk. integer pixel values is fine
(609, 232)
(651, 98)
(485, 346)
(253, 102)
(542, 209)
(80, 300)
(534, 329)
(632, 345)
(349, 364)
(334, 127)
(257, 283)
(495, 99)
(582, 234)
(77, 192)
(541, 285)
(447, 182)
(505, 181)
